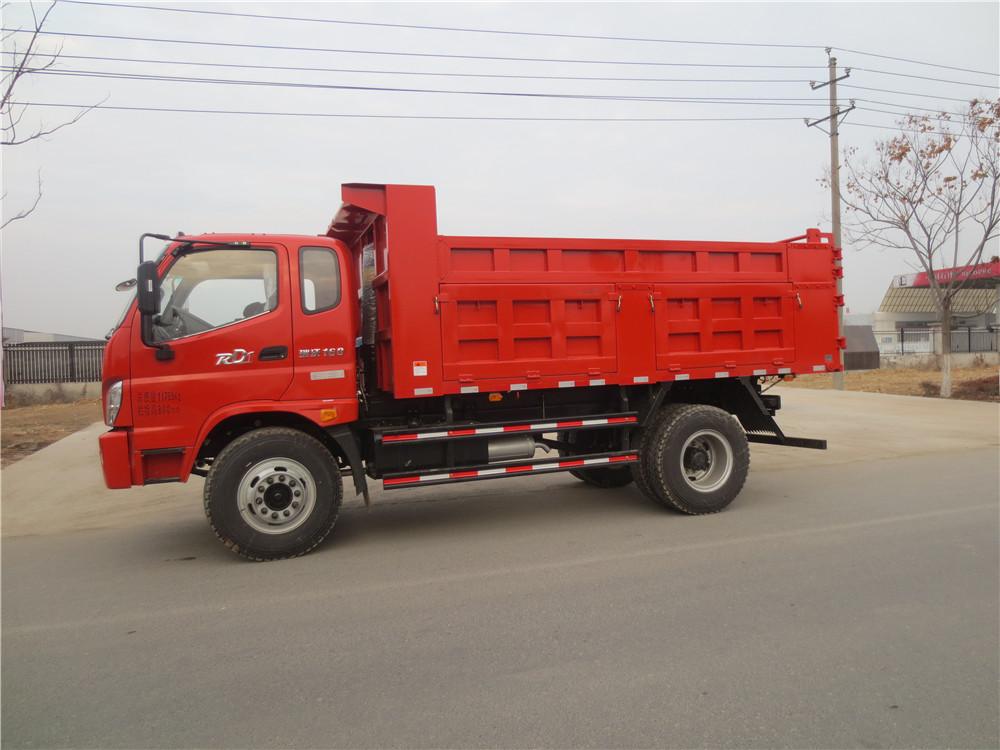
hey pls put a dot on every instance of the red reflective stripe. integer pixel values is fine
(401, 480)
(570, 423)
(517, 428)
(515, 469)
(633, 457)
(394, 438)
(463, 474)
(570, 463)
(621, 420)
(461, 432)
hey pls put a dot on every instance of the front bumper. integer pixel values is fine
(115, 459)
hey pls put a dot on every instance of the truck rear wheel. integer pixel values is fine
(595, 441)
(645, 436)
(695, 459)
(273, 493)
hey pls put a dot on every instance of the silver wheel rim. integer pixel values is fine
(276, 496)
(706, 460)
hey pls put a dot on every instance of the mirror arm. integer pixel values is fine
(142, 238)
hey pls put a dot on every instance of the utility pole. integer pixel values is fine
(834, 119)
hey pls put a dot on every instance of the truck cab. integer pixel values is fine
(245, 324)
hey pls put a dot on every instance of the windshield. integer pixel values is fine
(208, 289)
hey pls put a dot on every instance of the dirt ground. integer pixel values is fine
(26, 429)
(969, 383)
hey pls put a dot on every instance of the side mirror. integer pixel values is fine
(148, 288)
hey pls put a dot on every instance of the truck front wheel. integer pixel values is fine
(273, 493)
(696, 458)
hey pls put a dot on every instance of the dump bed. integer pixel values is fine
(479, 314)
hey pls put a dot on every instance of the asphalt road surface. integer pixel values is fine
(846, 599)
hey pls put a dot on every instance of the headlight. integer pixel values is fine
(113, 402)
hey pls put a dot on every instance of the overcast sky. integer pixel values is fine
(116, 174)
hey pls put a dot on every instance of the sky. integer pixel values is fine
(116, 174)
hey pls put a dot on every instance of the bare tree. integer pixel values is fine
(21, 61)
(931, 190)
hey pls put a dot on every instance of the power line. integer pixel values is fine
(937, 110)
(363, 116)
(426, 27)
(513, 76)
(354, 115)
(740, 100)
(914, 62)
(923, 78)
(507, 32)
(367, 71)
(868, 125)
(776, 102)
(904, 114)
(247, 45)
(293, 48)
(965, 100)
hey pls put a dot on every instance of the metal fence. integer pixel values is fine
(53, 362)
(928, 340)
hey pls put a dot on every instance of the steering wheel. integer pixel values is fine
(175, 324)
(169, 325)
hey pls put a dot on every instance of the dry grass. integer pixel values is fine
(971, 383)
(26, 429)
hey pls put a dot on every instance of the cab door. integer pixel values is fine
(325, 327)
(225, 326)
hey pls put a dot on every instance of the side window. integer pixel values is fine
(320, 270)
(213, 288)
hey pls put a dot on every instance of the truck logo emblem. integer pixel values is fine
(235, 357)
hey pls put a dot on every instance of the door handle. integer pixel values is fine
(271, 353)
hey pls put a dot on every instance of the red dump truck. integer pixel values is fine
(274, 365)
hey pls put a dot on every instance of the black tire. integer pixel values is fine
(309, 463)
(595, 441)
(638, 469)
(685, 457)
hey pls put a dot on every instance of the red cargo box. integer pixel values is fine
(477, 314)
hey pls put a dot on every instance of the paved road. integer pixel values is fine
(847, 599)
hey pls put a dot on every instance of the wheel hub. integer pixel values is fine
(699, 459)
(706, 460)
(276, 495)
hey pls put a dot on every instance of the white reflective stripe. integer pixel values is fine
(592, 461)
(431, 477)
(760, 372)
(519, 386)
(819, 368)
(489, 430)
(490, 472)
(423, 391)
(567, 383)
(470, 389)
(784, 370)
(545, 426)
(682, 377)
(589, 422)
(425, 435)
(327, 375)
(640, 379)
(597, 381)
(722, 374)
(539, 467)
